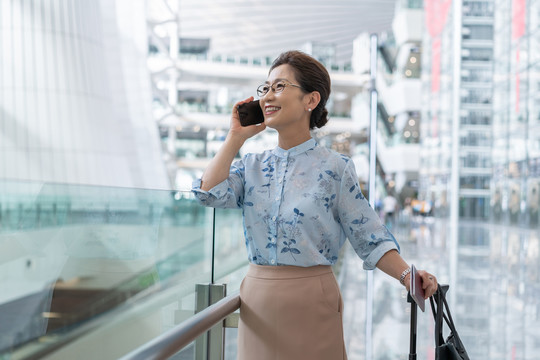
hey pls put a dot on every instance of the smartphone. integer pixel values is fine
(250, 113)
(417, 293)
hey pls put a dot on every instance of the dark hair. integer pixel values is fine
(312, 76)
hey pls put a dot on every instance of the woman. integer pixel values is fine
(300, 202)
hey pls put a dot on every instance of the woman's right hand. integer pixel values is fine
(243, 132)
(219, 167)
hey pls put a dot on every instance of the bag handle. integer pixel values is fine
(438, 314)
(442, 312)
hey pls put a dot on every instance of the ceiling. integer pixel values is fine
(266, 28)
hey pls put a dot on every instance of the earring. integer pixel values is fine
(309, 109)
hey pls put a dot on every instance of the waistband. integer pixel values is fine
(287, 271)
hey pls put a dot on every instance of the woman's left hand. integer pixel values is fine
(429, 283)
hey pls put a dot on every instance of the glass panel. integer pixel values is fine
(97, 261)
(230, 251)
(230, 262)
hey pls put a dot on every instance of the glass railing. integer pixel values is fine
(263, 62)
(254, 61)
(91, 272)
(82, 264)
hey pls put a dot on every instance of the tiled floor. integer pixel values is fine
(494, 277)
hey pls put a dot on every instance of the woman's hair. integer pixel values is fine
(312, 76)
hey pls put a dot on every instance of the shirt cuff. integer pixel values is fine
(216, 192)
(371, 262)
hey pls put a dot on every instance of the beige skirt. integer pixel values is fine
(290, 313)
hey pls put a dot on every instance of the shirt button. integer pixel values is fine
(277, 198)
(273, 261)
(284, 164)
(274, 240)
(280, 181)
(274, 218)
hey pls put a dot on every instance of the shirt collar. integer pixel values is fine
(299, 149)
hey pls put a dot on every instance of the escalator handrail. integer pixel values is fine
(174, 340)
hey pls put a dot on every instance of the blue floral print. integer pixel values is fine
(299, 206)
(329, 202)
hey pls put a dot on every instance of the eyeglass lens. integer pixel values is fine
(264, 89)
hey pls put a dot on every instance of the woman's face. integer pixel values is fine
(286, 108)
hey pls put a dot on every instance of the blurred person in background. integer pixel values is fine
(390, 207)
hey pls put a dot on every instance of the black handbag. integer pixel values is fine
(452, 348)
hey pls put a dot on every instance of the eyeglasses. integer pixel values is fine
(276, 87)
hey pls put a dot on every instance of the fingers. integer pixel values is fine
(235, 107)
(249, 99)
(235, 122)
(429, 283)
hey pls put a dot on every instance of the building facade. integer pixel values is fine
(458, 82)
(516, 112)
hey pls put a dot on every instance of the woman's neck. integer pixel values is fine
(288, 141)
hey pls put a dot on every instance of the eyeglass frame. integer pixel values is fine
(272, 87)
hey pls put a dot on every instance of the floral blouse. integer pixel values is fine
(299, 206)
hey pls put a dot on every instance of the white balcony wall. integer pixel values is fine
(408, 26)
(402, 96)
(401, 158)
(361, 51)
(360, 110)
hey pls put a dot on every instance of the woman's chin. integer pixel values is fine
(270, 123)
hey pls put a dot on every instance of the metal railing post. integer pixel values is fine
(174, 340)
(210, 346)
(202, 295)
(371, 183)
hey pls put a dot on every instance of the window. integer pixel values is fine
(477, 32)
(476, 96)
(475, 138)
(476, 160)
(473, 117)
(474, 182)
(477, 54)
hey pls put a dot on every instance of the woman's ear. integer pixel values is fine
(312, 99)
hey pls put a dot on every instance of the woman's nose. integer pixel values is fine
(269, 95)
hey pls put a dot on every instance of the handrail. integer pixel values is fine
(172, 341)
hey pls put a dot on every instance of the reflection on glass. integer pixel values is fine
(494, 299)
(74, 258)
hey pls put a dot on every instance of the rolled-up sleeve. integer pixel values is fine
(227, 194)
(364, 229)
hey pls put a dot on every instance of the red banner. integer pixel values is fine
(518, 30)
(518, 19)
(436, 16)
